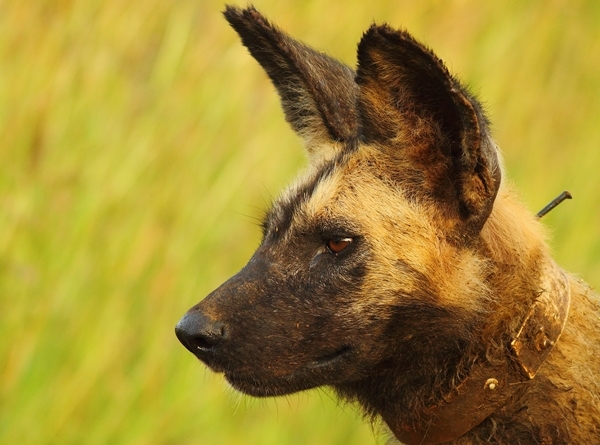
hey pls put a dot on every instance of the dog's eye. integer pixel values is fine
(336, 245)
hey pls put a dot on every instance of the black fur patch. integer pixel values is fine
(280, 216)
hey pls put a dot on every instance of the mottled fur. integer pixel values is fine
(441, 262)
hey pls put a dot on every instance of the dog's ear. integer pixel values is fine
(434, 133)
(318, 93)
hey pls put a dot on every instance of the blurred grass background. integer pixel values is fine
(139, 143)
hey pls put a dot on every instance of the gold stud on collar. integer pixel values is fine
(491, 384)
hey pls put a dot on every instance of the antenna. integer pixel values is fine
(556, 201)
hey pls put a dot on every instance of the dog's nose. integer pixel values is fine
(198, 333)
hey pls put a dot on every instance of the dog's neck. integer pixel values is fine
(491, 384)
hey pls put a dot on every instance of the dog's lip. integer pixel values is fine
(207, 357)
(257, 386)
(332, 358)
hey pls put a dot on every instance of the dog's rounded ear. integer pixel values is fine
(318, 93)
(434, 132)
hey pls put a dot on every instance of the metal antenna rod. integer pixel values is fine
(556, 201)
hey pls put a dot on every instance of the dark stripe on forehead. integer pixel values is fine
(279, 218)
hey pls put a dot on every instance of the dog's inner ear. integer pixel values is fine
(318, 93)
(434, 134)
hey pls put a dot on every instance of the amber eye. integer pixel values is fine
(338, 244)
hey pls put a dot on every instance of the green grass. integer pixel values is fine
(139, 143)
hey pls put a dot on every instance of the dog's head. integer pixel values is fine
(363, 254)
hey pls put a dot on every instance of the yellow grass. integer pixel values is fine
(138, 144)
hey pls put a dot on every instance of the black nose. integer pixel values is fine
(198, 333)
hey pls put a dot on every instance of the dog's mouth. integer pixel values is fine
(331, 359)
(325, 369)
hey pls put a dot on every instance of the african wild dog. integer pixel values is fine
(399, 270)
